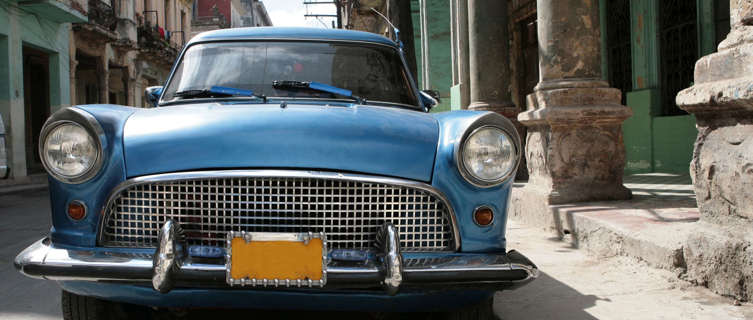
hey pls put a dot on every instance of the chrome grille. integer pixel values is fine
(348, 211)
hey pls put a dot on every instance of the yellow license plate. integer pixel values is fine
(276, 259)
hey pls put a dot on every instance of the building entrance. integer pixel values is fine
(36, 68)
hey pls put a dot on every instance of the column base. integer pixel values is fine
(722, 167)
(722, 103)
(718, 253)
(576, 164)
(718, 257)
(574, 145)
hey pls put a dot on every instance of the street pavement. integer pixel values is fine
(572, 284)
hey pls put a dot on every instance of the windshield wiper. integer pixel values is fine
(290, 84)
(217, 92)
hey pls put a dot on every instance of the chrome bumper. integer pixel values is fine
(493, 271)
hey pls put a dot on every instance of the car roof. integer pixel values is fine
(292, 33)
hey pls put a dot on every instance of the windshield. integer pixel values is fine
(372, 72)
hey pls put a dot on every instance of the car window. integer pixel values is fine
(373, 72)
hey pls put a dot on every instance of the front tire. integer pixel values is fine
(483, 310)
(76, 307)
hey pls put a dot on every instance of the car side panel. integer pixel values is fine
(464, 196)
(94, 192)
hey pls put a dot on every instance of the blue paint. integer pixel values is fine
(349, 255)
(94, 192)
(330, 89)
(232, 91)
(364, 139)
(307, 135)
(311, 299)
(268, 33)
(206, 251)
(464, 196)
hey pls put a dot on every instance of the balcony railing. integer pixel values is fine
(102, 14)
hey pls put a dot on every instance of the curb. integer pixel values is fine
(650, 229)
(22, 188)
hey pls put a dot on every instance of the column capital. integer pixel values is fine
(575, 106)
(507, 109)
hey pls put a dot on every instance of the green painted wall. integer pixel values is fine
(440, 56)
(656, 143)
(638, 131)
(653, 143)
(416, 17)
(36, 27)
(673, 139)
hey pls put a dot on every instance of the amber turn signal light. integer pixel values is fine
(483, 216)
(76, 210)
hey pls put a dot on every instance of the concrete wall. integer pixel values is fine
(23, 27)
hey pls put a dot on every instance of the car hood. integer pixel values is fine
(365, 139)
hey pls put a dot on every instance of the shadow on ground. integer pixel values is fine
(544, 298)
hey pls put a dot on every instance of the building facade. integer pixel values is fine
(55, 54)
(126, 46)
(219, 14)
(609, 87)
(378, 16)
(600, 89)
(34, 73)
(649, 48)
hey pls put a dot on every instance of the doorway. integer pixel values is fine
(36, 69)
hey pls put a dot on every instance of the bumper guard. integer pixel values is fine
(165, 270)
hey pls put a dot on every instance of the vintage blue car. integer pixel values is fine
(280, 168)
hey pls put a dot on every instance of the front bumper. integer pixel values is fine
(494, 271)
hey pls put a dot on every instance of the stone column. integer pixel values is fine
(454, 41)
(103, 68)
(461, 50)
(489, 57)
(574, 145)
(73, 67)
(719, 253)
(72, 81)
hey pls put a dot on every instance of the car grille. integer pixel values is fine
(349, 211)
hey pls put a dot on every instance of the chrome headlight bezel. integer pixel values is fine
(84, 120)
(496, 121)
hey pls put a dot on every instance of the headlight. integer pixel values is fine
(488, 156)
(69, 151)
(71, 144)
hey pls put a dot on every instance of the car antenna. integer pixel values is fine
(394, 29)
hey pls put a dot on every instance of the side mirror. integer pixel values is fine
(430, 98)
(151, 94)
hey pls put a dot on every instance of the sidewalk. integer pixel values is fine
(574, 285)
(650, 227)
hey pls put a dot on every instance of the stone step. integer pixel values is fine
(647, 228)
